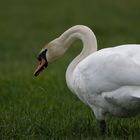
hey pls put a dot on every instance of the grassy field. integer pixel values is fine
(43, 108)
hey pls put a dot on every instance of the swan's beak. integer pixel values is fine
(43, 63)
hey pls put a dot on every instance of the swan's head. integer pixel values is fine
(48, 54)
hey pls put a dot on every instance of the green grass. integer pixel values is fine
(43, 108)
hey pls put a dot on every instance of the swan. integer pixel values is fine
(107, 80)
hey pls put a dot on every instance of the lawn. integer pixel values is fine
(43, 108)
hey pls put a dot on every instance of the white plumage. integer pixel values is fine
(107, 80)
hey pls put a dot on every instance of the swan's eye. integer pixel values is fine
(42, 55)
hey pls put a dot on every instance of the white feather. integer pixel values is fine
(107, 80)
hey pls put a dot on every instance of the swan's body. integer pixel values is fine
(107, 80)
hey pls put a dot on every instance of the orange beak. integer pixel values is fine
(43, 63)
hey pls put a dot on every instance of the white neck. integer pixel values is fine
(89, 46)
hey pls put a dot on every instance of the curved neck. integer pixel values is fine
(89, 45)
(83, 33)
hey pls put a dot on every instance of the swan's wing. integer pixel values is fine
(105, 71)
(124, 70)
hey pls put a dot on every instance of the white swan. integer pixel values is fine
(107, 80)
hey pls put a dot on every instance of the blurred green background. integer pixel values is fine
(43, 107)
